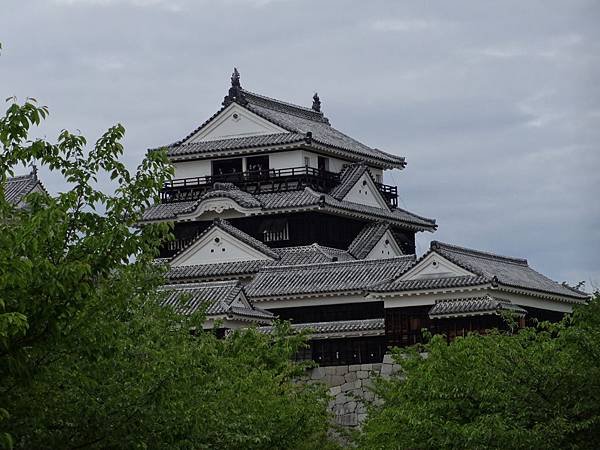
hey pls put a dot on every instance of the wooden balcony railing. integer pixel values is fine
(271, 180)
(390, 193)
(261, 181)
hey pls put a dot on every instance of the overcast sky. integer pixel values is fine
(495, 105)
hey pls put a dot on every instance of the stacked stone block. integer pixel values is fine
(350, 388)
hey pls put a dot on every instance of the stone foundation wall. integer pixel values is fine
(350, 388)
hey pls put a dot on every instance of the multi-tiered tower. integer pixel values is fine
(277, 213)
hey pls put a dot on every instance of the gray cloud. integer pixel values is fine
(495, 105)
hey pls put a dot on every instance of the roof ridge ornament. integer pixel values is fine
(236, 93)
(316, 106)
(235, 78)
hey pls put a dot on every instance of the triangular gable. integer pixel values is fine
(217, 246)
(241, 301)
(365, 192)
(433, 266)
(235, 121)
(386, 247)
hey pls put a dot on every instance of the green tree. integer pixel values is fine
(539, 388)
(88, 358)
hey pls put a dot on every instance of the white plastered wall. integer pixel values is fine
(284, 160)
(189, 169)
(335, 165)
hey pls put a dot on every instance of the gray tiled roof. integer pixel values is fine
(310, 254)
(308, 197)
(429, 283)
(227, 270)
(302, 120)
(221, 145)
(340, 329)
(306, 254)
(297, 120)
(254, 312)
(407, 218)
(167, 211)
(230, 190)
(367, 238)
(217, 297)
(505, 270)
(235, 232)
(348, 178)
(288, 199)
(273, 201)
(348, 276)
(16, 188)
(263, 101)
(473, 306)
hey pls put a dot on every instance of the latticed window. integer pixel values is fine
(275, 230)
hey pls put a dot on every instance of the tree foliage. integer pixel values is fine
(539, 388)
(87, 357)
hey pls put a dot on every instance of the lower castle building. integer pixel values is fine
(278, 215)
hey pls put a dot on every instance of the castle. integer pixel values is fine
(279, 215)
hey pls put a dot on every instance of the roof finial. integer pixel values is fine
(236, 93)
(235, 78)
(316, 106)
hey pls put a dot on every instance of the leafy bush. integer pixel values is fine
(539, 388)
(87, 357)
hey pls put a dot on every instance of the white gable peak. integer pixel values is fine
(365, 192)
(235, 122)
(217, 246)
(435, 266)
(387, 247)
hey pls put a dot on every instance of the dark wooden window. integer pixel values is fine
(257, 167)
(307, 229)
(322, 163)
(403, 325)
(542, 315)
(331, 313)
(223, 169)
(274, 230)
(461, 326)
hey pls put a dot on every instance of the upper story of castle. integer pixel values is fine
(265, 145)
(282, 174)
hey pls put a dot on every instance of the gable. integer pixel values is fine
(241, 301)
(386, 247)
(365, 192)
(217, 246)
(435, 266)
(224, 208)
(235, 122)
